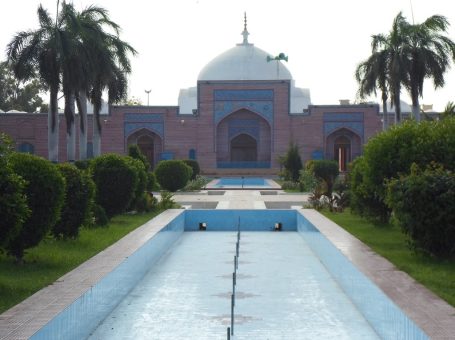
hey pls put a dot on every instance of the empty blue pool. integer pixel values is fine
(240, 182)
(291, 284)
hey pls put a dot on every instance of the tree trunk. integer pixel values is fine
(53, 127)
(385, 114)
(71, 133)
(82, 108)
(96, 135)
(416, 109)
(397, 107)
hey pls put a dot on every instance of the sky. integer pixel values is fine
(324, 39)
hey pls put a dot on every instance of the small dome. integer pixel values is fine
(244, 62)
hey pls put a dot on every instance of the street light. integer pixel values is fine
(148, 96)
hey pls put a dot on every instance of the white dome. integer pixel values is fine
(244, 62)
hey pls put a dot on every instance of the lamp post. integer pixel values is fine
(148, 96)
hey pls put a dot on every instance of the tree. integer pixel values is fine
(292, 163)
(387, 68)
(371, 74)
(15, 95)
(39, 51)
(449, 110)
(430, 53)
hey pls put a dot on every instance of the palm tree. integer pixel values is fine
(449, 110)
(40, 50)
(371, 74)
(394, 59)
(113, 65)
(430, 54)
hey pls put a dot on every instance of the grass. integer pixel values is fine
(388, 241)
(51, 259)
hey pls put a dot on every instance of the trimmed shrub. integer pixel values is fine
(80, 193)
(307, 181)
(152, 183)
(292, 163)
(422, 205)
(115, 181)
(13, 203)
(326, 171)
(136, 153)
(45, 191)
(99, 216)
(83, 164)
(390, 154)
(140, 184)
(172, 175)
(194, 165)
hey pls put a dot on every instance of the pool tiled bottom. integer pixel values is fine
(283, 292)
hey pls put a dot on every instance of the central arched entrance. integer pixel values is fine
(244, 148)
(342, 152)
(148, 142)
(343, 146)
(243, 140)
(147, 147)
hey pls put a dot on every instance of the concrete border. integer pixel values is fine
(432, 314)
(25, 319)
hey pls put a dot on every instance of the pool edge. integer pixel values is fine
(429, 312)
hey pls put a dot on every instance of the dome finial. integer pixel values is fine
(245, 31)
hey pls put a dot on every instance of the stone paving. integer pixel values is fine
(433, 315)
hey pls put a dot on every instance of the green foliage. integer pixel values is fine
(52, 258)
(99, 216)
(326, 171)
(152, 184)
(80, 194)
(172, 175)
(136, 153)
(194, 165)
(116, 180)
(290, 185)
(141, 181)
(196, 184)
(83, 164)
(292, 163)
(13, 203)
(167, 201)
(391, 153)
(45, 191)
(17, 96)
(307, 180)
(422, 204)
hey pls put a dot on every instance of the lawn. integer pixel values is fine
(51, 259)
(388, 241)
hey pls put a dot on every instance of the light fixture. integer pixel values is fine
(278, 226)
(202, 226)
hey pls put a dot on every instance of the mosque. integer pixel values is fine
(241, 116)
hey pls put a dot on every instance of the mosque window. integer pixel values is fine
(89, 150)
(27, 148)
(192, 154)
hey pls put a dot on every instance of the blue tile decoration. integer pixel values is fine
(317, 155)
(248, 126)
(352, 121)
(151, 121)
(258, 101)
(157, 128)
(243, 165)
(166, 156)
(243, 94)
